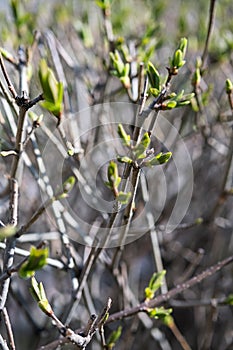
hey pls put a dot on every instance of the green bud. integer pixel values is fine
(124, 159)
(178, 61)
(154, 284)
(170, 104)
(113, 178)
(229, 86)
(183, 46)
(153, 76)
(123, 135)
(196, 79)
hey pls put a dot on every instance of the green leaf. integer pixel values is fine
(154, 284)
(52, 90)
(69, 184)
(196, 79)
(37, 259)
(229, 86)
(38, 293)
(7, 231)
(159, 313)
(178, 61)
(123, 135)
(140, 149)
(183, 46)
(52, 86)
(124, 159)
(121, 69)
(113, 178)
(155, 92)
(113, 338)
(169, 104)
(153, 76)
(159, 159)
(178, 58)
(118, 64)
(229, 300)
(103, 4)
(123, 197)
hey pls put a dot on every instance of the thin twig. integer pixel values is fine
(7, 78)
(210, 28)
(9, 328)
(143, 307)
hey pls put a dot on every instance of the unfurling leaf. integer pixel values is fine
(69, 184)
(113, 178)
(229, 86)
(169, 104)
(154, 284)
(178, 58)
(159, 159)
(121, 69)
(113, 338)
(124, 159)
(153, 76)
(123, 197)
(123, 135)
(196, 79)
(159, 313)
(52, 90)
(37, 259)
(140, 149)
(38, 293)
(7, 231)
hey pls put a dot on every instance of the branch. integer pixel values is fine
(143, 307)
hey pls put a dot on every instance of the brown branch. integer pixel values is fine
(7, 78)
(210, 28)
(143, 307)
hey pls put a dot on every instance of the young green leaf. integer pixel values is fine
(229, 300)
(7, 231)
(159, 313)
(123, 197)
(229, 86)
(196, 79)
(69, 184)
(52, 90)
(178, 58)
(154, 284)
(159, 159)
(140, 150)
(37, 259)
(123, 135)
(124, 159)
(169, 104)
(178, 61)
(153, 76)
(38, 293)
(113, 338)
(183, 46)
(113, 178)
(155, 92)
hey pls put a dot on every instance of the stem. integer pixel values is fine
(127, 219)
(7, 78)
(143, 307)
(210, 28)
(180, 338)
(9, 328)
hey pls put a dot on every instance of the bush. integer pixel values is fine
(116, 194)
